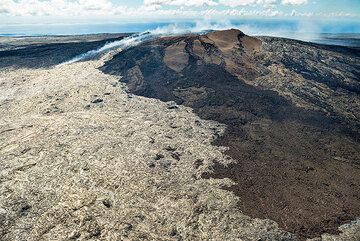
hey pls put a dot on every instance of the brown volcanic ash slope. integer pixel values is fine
(292, 113)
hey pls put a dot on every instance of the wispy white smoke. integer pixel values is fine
(199, 27)
(136, 39)
(306, 31)
(125, 43)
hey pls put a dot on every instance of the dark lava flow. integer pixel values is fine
(44, 55)
(298, 167)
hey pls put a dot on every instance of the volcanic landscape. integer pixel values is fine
(211, 136)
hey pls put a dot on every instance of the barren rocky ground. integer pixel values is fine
(292, 115)
(81, 158)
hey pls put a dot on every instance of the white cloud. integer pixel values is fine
(152, 9)
(55, 7)
(294, 2)
(94, 4)
(181, 2)
(231, 3)
(237, 3)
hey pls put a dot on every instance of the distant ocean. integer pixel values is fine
(338, 33)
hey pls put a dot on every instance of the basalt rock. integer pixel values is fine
(292, 112)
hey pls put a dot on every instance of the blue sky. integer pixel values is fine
(45, 11)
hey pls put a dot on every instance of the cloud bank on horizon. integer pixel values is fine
(176, 9)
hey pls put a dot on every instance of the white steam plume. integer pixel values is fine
(136, 39)
(305, 31)
(127, 42)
